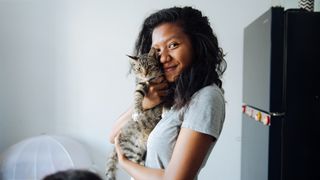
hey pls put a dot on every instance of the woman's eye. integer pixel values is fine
(173, 45)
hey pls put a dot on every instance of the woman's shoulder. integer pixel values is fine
(208, 96)
(210, 91)
(206, 111)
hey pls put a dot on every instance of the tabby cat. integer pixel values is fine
(134, 135)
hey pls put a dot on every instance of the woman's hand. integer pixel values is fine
(121, 156)
(137, 171)
(158, 89)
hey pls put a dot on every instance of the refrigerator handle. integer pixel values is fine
(260, 116)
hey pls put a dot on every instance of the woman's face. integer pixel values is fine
(174, 48)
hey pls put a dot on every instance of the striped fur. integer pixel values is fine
(134, 134)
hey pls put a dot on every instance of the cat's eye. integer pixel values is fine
(158, 51)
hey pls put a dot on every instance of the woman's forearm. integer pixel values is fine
(139, 172)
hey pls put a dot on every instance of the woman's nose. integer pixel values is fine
(164, 56)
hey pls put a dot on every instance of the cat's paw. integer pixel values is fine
(135, 116)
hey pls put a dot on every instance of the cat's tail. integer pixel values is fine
(112, 166)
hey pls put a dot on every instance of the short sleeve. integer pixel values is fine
(206, 111)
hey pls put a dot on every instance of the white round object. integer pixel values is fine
(36, 157)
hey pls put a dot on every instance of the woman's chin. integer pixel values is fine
(171, 78)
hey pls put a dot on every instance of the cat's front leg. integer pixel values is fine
(140, 92)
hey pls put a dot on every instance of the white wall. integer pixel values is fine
(63, 70)
(27, 73)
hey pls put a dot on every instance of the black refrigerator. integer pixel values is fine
(281, 111)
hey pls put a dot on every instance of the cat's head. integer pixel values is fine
(146, 66)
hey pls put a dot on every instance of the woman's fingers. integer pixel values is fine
(158, 88)
(157, 80)
(163, 93)
(161, 85)
(118, 148)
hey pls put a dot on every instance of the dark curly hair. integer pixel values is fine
(208, 62)
(73, 174)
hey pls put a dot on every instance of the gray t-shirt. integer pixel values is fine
(205, 114)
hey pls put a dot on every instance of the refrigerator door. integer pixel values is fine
(263, 94)
(261, 150)
(255, 149)
(301, 129)
(263, 62)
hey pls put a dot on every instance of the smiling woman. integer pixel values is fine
(180, 144)
(174, 48)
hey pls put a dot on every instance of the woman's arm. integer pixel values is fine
(189, 153)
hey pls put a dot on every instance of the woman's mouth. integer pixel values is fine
(169, 69)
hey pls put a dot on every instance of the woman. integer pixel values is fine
(193, 63)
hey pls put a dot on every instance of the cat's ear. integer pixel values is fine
(133, 60)
(152, 52)
(133, 57)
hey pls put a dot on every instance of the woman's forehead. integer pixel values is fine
(166, 32)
